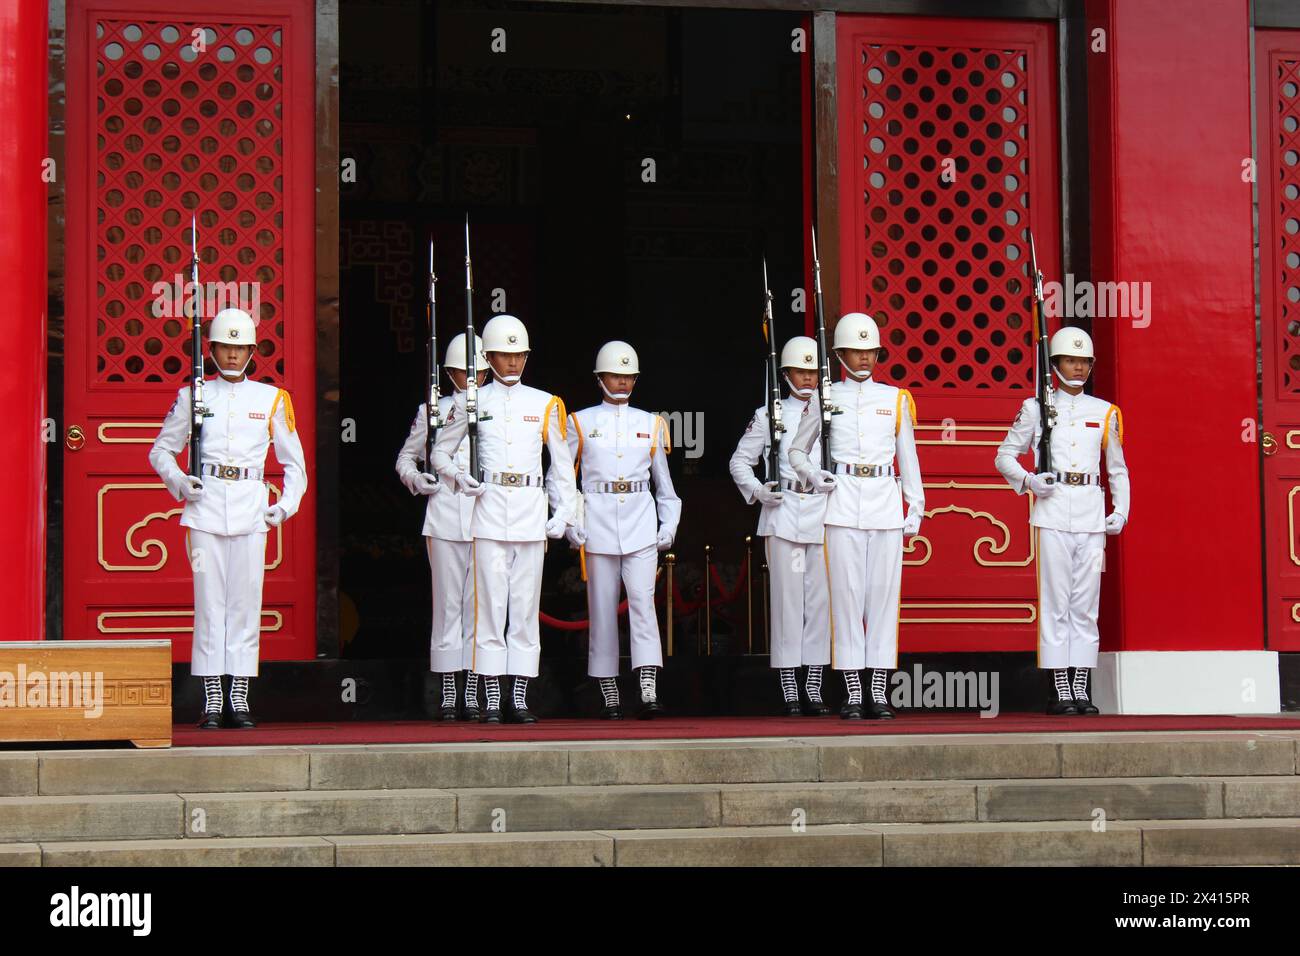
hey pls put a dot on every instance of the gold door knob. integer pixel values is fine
(1270, 444)
(74, 438)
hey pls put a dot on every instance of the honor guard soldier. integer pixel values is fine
(622, 452)
(1069, 515)
(228, 509)
(871, 428)
(509, 525)
(792, 526)
(447, 541)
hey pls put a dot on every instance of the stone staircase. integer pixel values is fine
(1117, 799)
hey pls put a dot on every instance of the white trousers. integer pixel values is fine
(451, 646)
(227, 602)
(636, 571)
(800, 625)
(507, 592)
(1069, 593)
(865, 570)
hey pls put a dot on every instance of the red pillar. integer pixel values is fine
(1169, 128)
(23, 91)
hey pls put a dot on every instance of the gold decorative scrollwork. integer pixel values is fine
(276, 617)
(993, 545)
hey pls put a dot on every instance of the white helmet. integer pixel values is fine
(456, 354)
(233, 327)
(1071, 341)
(505, 333)
(800, 352)
(618, 358)
(856, 330)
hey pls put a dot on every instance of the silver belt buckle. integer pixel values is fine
(621, 487)
(229, 472)
(511, 478)
(863, 471)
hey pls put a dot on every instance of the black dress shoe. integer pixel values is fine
(1084, 706)
(1062, 708)
(651, 710)
(816, 708)
(211, 720)
(792, 709)
(471, 712)
(242, 719)
(491, 716)
(447, 712)
(524, 716)
(611, 712)
(851, 712)
(875, 711)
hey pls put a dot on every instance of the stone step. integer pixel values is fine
(318, 813)
(1050, 843)
(919, 758)
(97, 817)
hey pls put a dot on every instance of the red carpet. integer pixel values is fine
(686, 728)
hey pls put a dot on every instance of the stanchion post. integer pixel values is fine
(708, 603)
(767, 625)
(749, 595)
(670, 559)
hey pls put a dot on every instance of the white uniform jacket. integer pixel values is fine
(1086, 427)
(614, 443)
(514, 423)
(871, 424)
(448, 513)
(244, 418)
(801, 516)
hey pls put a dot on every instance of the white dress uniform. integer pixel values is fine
(447, 540)
(509, 518)
(871, 426)
(1069, 526)
(793, 534)
(227, 528)
(621, 450)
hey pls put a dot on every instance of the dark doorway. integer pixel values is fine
(545, 146)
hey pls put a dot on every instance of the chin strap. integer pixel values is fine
(507, 379)
(804, 393)
(232, 376)
(612, 396)
(857, 376)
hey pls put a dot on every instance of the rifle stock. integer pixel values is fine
(431, 398)
(774, 424)
(1045, 393)
(471, 362)
(197, 408)
(823, 358)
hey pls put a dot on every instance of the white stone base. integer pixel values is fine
(1187, 682)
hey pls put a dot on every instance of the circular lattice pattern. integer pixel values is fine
(945, 153)
(188, 122)
(1286, 92)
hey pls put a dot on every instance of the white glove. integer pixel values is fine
(423, 483)
(555, 527)
(192, 490)
(823, 482)
(664, 541)
(1040, 486)
(576, 536)
(912, 523)
(274, 516)
(1115, 522)
(768, 495)
(469, 485)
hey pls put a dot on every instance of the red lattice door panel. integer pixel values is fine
(1277, 79)
(948, 157)
(202, 109)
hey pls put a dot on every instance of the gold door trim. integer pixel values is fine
(142, 551)
(994, 547)
(104, 616)
(1030, 608)
(1295, 613)
(1290, 524)
(105, 438)
(958, 442)
(1293, 433)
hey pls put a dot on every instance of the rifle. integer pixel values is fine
(432, 421)
(197, 409)
(1046, 394)
(823, 358)
(774, 424)
(471, 362)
